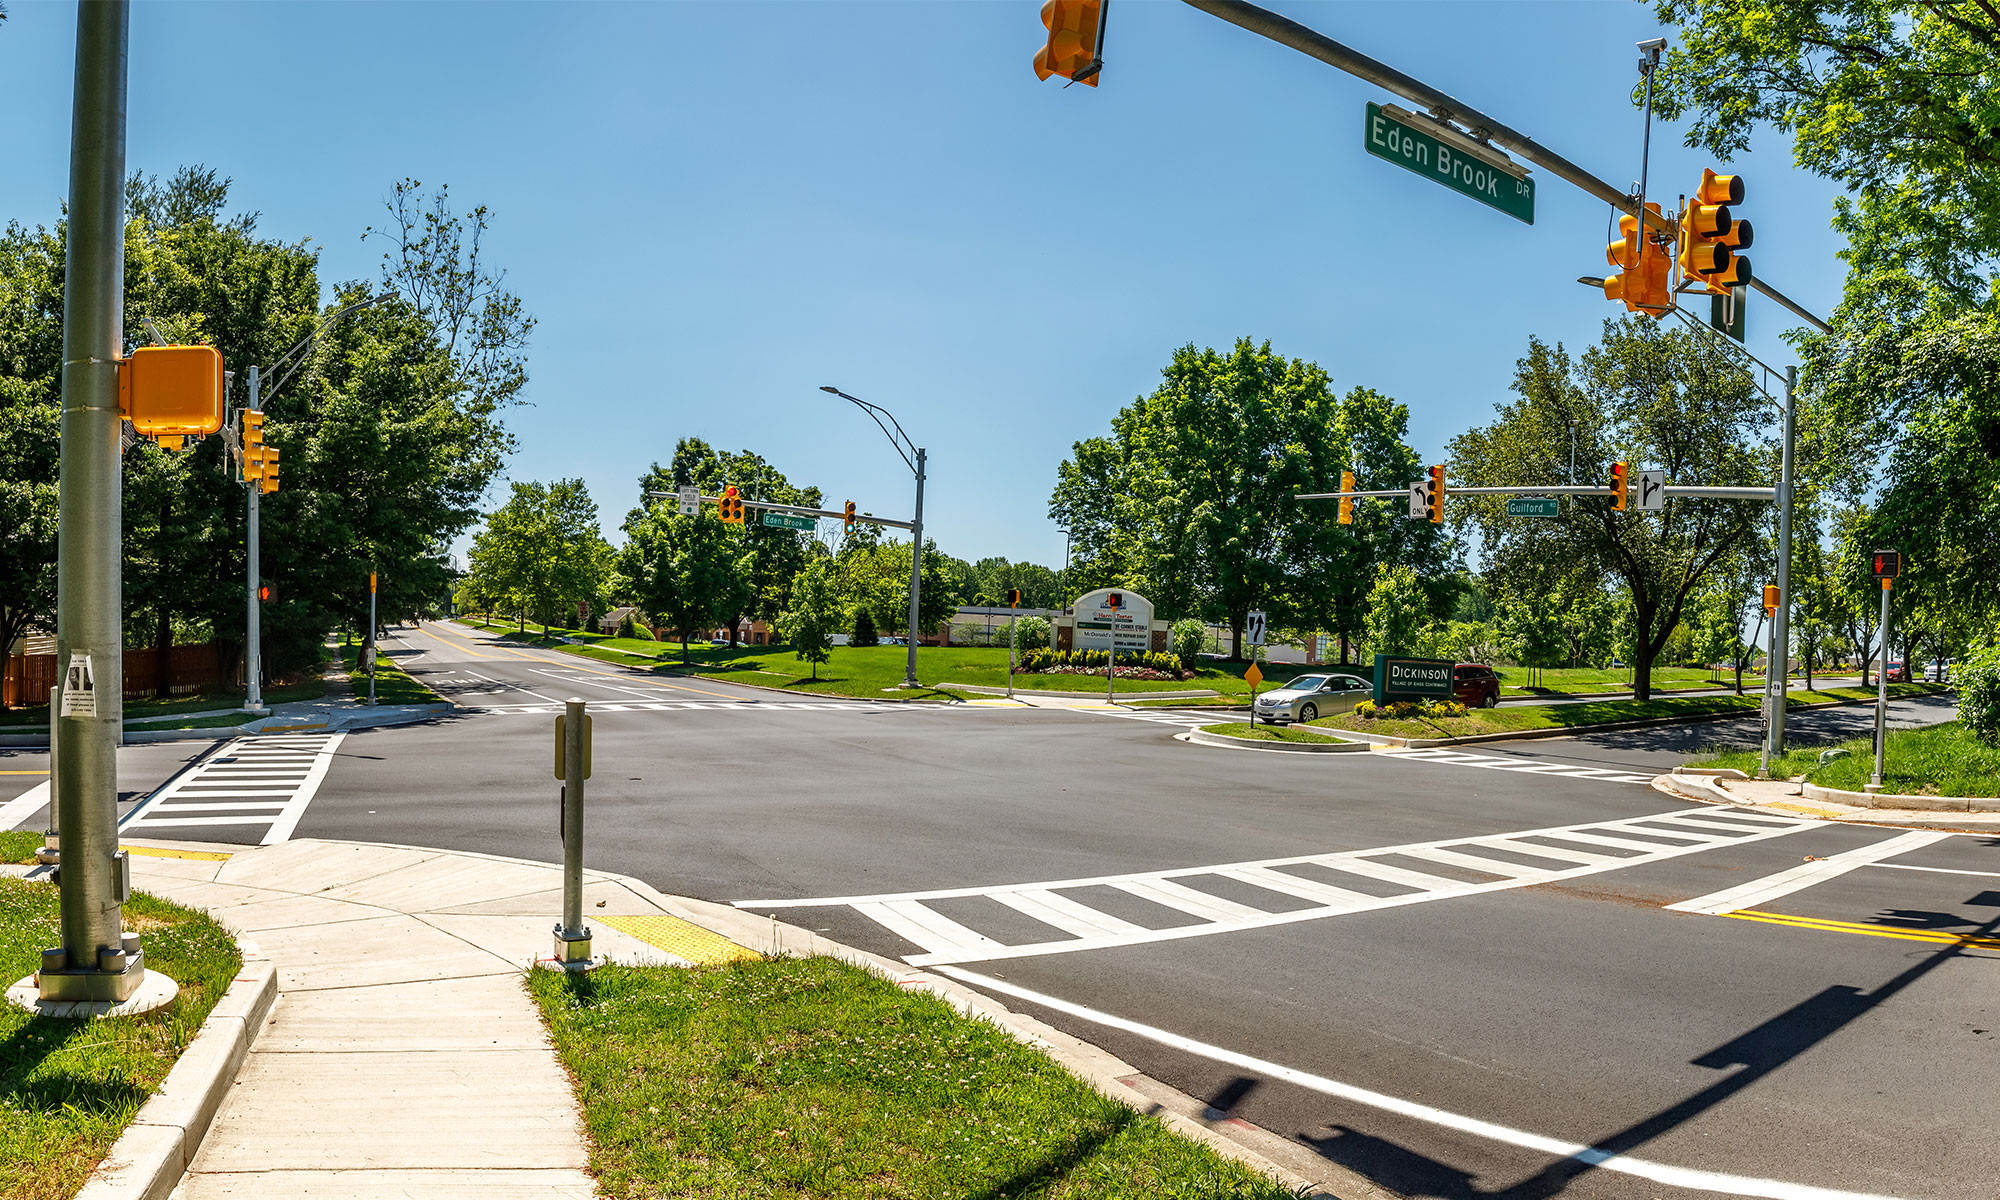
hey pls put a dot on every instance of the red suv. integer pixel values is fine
(1475, 685)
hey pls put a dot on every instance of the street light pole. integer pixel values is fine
(97, 960)
(905, 447)
(253, 654)
(1781, 624)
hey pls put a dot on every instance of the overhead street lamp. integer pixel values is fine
(907, 449)
(253, 664)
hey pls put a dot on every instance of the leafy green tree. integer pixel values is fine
(28, 449)
(1398, 611)
(809, 623)
(1531, 628)
(1646, 393)
(542, 551)
(863, 632)
(676, 566)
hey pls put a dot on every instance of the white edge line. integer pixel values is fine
(1883, 865)
(1809, 874)
(1672, 1176)
(288, 820)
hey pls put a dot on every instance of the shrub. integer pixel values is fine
(1187, 638)
(1399, 710)
(864, 629)
(1979, 690)
(1032, 633)
(628, 628)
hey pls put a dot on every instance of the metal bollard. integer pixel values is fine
(573, 767)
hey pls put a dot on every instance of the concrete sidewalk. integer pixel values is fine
(404, 1057)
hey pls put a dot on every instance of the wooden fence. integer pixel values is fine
(28, 677)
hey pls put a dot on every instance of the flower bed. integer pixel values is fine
(1119, 673)
(1148, 666)
(1403, 710)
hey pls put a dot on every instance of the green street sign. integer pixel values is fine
(1534, 506)
(1408, 144)
(787, 521)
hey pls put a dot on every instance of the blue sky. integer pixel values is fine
(714, 208)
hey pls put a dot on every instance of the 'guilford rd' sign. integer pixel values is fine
(1409, 144)
(1411, 678)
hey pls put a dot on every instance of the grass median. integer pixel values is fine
(19, 846)
(392, 685)
(141, 710)
(1528, 718)
(1937, 760)
(69, 1088)
(1270, 733)
(809, 1077)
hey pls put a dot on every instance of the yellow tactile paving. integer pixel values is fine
(161, 852)
(682, 939)
(1934, 936)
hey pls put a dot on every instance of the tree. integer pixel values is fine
(1644, 387)
(542, 551)
(1532, 628)
(1397, 611)
(28, 447)
(809, 623)
(676, 566)
(863, 633)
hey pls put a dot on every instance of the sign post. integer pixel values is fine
(1888, 565)
(1013, 638)
(370, 643)
(1114, 602)
(572, 767)
(1448, 157)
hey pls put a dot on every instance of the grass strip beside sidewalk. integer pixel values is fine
(69, 1088)
(1938, 760)
(392, 686)
(809, 1077)
(1270, 733)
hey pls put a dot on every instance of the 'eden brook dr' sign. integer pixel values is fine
(1463, 172)
(1411, 678)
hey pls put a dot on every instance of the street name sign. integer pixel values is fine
(1534, 506)
(788, 521)
(1652, 491)
(1399, 678)
(1402, 139)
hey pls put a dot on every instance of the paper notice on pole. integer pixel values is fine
(79, 690)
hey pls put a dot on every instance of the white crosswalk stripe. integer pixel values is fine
(1502, 762)
(248, 781)
(1495, 861)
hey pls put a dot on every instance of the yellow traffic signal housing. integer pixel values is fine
(251, 423)
(1073, 27)
(269, 480)
(849, 527)
(1434, 496)
(1645, 283)
(730, 506)
(1712, 236)
(1619, 474)
(172, 392)
(1014, 598)
(1346, 502)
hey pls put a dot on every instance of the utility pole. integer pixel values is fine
(253, 654)
(916, 573)
(1781, 625)
(97, 960)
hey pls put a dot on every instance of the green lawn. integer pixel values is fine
(1937, 760)
(1526, 718)
(140, 710)
(1268, 733)
(800, 1077)
(1515, 681)
(392, 686)
(19, 846)
(68, 1088)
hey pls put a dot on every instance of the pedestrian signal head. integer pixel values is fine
(264, 593)
(172, 392)
(1771, 597)
(1114, 600)
(1072, 51)
(1888, 564)
(1346, 501)
(1620, 473)
(1014, 598)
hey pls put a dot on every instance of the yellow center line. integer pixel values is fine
(495, 650)
(674, 687)
(23, 772)
(1933, 936)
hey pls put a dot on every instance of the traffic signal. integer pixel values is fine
(1014, 598)
(849, 527)
(269, 480)
(1619, 473)
(1434, 495)
(730, 505)
(1711, 236)
(1346, 501)
(251, 423)
(1772, 598)
(1888, 564)
(1074, 27)
(1644, 282)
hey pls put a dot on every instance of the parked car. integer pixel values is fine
(1898, 673)
(1310, 697)
(1939, 672)
(1475, 685)
(718, 642)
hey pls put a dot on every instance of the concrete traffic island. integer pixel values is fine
(1726, 786)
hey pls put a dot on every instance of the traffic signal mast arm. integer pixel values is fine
(1564, 489)
(796, 511)
(1443, 107)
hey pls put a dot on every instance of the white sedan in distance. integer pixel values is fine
(1310, 697)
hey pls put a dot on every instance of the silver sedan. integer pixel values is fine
(1310, 697)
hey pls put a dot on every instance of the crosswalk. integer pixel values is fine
(1520, 765)
(543, 709)
(1121, 910)
(258, 780)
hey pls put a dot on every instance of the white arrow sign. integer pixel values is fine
(1420, 507)
(1653, 491)
(1253, 628)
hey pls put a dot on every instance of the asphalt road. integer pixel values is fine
(1415, 994)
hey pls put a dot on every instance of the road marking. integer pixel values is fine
(1496, 762)
(1064, 913)
(908, 916)
(1603, 1160)
(515, 686)
(466, 647)
(23, 772)
(1936, 936)
(16, 810)
(1939, 870)
(1805, 875)
(682, 939)
(222, 789)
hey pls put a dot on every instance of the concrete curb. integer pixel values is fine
(1923, 803)
(149, 1158)
(1202, 737)
(222, 733)
(1709, 787)
(986, 690)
